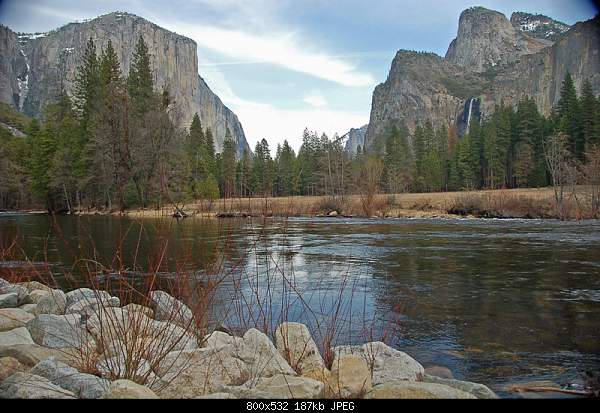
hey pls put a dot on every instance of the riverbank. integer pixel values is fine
(85, 344)
(513, 203)
(536, 203)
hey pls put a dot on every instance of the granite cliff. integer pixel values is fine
(34, 66)
(492, 61)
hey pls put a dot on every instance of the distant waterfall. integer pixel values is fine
(470, 114)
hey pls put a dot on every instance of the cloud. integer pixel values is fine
(281, 49)
(317, 101)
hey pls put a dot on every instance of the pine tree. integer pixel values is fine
(229, 165)
(569, 114)
(590, 116)
(139, 83)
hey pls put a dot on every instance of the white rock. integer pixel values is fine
(52, 303)
(220, 339)
(29, 386)
(168, 308)
(296, 345)
(83, 385)
(58, 331)
(87, 307)
(261, 356)
(37, 295)
(126, 389)
(290, 387)
(15, 337)
(22, 293)
(119, 367)
(30, 308)
(387, 364)
(86, 294)
(350, 377)
(13, 318)
(9, 300)
(199, 372)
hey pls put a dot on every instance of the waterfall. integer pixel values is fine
(470, 113)
(23, 83)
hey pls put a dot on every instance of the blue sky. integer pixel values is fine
(283, 65)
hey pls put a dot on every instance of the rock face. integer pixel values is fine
(354, 139)
(539, 26)
(486, 39)
(491, 62)
(32, 68)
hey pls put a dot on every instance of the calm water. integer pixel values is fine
(496, 302)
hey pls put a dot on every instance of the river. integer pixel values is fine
(495, 301)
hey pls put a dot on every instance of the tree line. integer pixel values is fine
(115, 145)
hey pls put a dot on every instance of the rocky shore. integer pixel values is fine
(83, 344)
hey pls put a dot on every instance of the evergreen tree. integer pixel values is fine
(139, 83)
(569, 114)
(590, 116)
(229, 165)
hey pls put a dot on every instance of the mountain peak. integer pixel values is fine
(539, 26)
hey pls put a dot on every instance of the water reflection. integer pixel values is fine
(495, 301)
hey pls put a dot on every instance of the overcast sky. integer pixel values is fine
(283, 65)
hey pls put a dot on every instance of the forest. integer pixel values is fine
(114, 144)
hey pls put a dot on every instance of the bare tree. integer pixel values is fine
(590, 172)
(369, 184)
(562, 169)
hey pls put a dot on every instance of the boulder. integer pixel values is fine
(31, 354)
(83, 385)
(217, 396)
(34, 285)
(37, 295)
(478, 390)
(220, 339)
(289, 387)
(321, 374)
(118, 367)
(261, 356)
(386, 364)
(9, 300)
(350, 377)
(439, 371)
(85, 294)
(13, 318)
(53, 303)
(9, 366)
(136, 308)
(416, 390)
(126, 389)
(20, 291)
(58, 331)
(296, 345)
(15, 337)
(87, 307)
(168, 308)
(29, 386)
(199, 372)
(30, 308)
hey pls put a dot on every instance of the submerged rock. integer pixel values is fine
(416, 390)
(478, 390)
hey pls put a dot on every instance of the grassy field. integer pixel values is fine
(510, 203)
